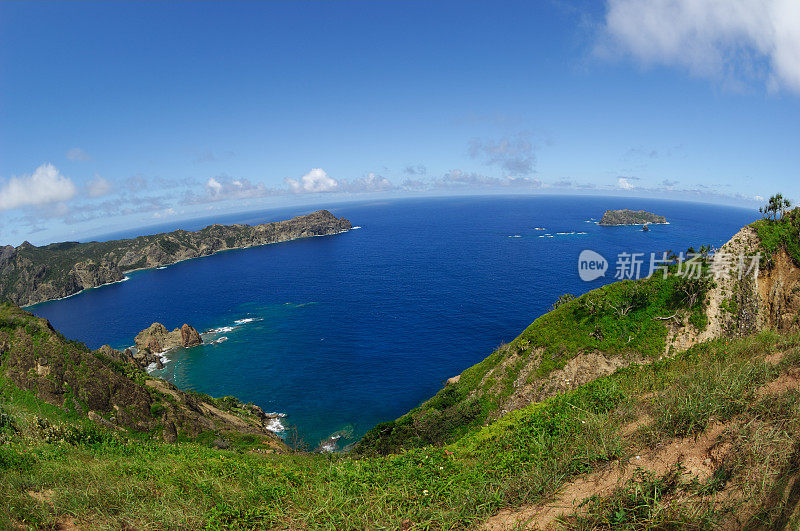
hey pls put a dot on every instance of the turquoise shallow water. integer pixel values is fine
(346, 331)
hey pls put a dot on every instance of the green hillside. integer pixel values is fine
(58, 467)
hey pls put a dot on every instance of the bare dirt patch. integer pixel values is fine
(699, 456)
(45, 496)
(580, 370)
(775, 358)
(785, 382)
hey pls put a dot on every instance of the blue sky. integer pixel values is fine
(118, 115)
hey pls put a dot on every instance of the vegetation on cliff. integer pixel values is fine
(779, 232)
(30, 274)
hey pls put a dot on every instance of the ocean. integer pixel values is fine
(343, 332)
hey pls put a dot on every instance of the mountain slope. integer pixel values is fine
(30, 274)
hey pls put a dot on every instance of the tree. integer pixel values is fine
(775, 207)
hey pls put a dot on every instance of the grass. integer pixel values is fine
(112, 479)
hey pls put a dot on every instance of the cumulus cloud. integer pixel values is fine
(167, 212)
(624, 184)
(735, 41)
(413, 185)
(98, 186)
(223, 188)
(666, 183)
(371, 183)
(317, 180)
(214, 186)
(462, 178)
(514, 155)
(45, 185)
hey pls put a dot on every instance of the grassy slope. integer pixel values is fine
(110, 479)
(592, 322)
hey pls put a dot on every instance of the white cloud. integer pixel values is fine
(78, 155)
(167, 212)
(45, 185)
(225, 188)
(98, 186)
(731, 40)
(371, 183)
(459, 178)
(314, 181)
(623, 183)
(214, 186)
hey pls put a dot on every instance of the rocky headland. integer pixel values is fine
(630, 217)
(30, 274)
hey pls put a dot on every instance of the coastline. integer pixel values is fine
(165, 265)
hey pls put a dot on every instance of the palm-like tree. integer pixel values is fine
(776, 205)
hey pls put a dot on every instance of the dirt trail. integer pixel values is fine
(699, 455)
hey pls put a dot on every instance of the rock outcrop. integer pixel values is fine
(630, 217)
(156, 338)
(30, 274)
(190, 337)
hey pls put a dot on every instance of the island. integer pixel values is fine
(31, 274)
(630, 217)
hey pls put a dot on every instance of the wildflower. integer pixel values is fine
(441, 468)
(425, 492)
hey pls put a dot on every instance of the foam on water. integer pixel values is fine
(222, 330)
(274, 424)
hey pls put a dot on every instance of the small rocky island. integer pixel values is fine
(630, 217)
(156, 339)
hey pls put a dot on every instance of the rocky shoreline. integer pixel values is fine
(31, 275)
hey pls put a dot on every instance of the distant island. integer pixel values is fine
(30, 274)
(630, 217)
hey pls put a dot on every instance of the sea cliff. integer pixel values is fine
(30, 274)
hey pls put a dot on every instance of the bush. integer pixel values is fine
(156, 409)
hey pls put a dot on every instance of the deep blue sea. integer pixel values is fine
(346, 331)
